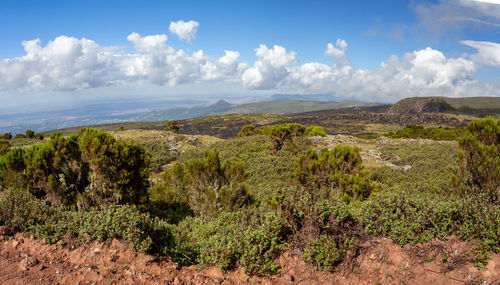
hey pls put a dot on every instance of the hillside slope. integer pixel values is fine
(290, 107)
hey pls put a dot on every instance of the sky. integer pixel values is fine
(84, 50)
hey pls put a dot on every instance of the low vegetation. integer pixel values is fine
(243, 201)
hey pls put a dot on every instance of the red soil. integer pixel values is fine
(27, 260)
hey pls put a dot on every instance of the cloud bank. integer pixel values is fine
(68, 63)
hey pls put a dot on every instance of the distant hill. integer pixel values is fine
(477, 106)
(421, 105)
(291, 107)
(181, 113)
(267, 107)
(474, 102)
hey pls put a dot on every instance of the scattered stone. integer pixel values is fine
(289, 278)
(15, 243)
(296, 251)
(5, 231)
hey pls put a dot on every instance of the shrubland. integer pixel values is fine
(244, 201)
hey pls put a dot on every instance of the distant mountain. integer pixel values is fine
(290, 107)
(476, 106)
(302, 97)
(180, 113)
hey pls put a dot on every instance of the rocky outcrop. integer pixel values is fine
(419, 105)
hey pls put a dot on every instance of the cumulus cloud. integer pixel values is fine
(68, 63)
(339, 51)
(426, 72)
(65, 63)
(184, 30)
(488, 53)
(272, 67)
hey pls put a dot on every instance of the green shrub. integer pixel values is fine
(209, 186)
(86, 169)
(11, 168)
(172, 126)
(282, 135)
(7, 136)
(249, 130)
(4, 146)
(161, 152)
(30, 134)
(22, 211)
(255, 241)
(420, 218)
(338, 170)
(480, 160)
(322, 252)
(315, 131)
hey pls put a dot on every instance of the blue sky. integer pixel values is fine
(447, 47)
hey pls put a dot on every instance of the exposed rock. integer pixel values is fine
(419, 105)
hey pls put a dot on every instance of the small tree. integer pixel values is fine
(282, 135)
(4, 146)
(480, 159)
(30, 134)
(315, 131)
(209, 186)
(249, 130)
(337, 170)
(7, 136)
(172, 126)
(119, 170)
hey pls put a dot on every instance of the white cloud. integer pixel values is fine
(63, 64)
(488, 53)
(271, 68)
(184, 30)
(337, 52)
(148, 43)
(425, 72)
(68, 63)
(444, 15)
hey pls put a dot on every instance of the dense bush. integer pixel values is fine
(249, 130)
(172, 126)
(4, 146)
(323, 252)
(254, 240)
(86, 169)
(207, 185)
(420, 218)
(30, 134)
(21, 211)
(6, 136)
(480, 159)
(282, 135)
(315, 131)
(339, 170)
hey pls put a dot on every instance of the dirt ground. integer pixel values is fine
(27, 260)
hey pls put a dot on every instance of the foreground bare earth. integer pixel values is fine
(27, 260)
